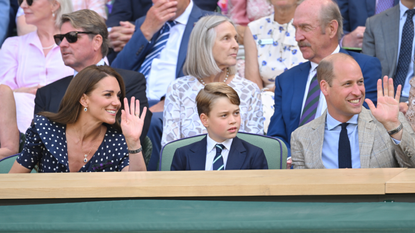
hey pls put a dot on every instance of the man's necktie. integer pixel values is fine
(311, 103)
(405, 51)
(345, 153)
(159, 45)
(218, 160)
(383, 5)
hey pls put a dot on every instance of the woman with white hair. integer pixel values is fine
(34, 60)
(270, 49)
(211, 57)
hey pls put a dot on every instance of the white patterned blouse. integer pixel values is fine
(180, 117)
(277, 49)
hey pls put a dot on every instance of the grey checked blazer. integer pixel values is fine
(381, 39)
(377, 149)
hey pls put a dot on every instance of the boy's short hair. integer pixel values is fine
(213, 91)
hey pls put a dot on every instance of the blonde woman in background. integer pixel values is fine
(34, 60)
(95, 5)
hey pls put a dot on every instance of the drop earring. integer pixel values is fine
(85, 109)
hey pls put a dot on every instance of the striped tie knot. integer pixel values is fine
(159, 45)
(218, 160)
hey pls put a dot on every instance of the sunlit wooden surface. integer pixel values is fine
(402, 183)
(199, 183)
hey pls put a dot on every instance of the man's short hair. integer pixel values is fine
(89, 21)
(329, 12)
(213, 91)
(325, 69)
(199, 59)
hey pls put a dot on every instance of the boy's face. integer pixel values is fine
(223, 121)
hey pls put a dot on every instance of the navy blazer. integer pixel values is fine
(289, 94)
(48, 98)
(355, 12)
(136, 50)
(242, 155)
(127, 10)
(131, 10)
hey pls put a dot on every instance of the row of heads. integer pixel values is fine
(199, 62)
(87, 80)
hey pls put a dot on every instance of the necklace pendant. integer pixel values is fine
(85, 159)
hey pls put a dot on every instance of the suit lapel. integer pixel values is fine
(299, 84)
(197, 156)
(317, 135)
(237, 155)
(194, 16)
(390, 32)
(366, 132)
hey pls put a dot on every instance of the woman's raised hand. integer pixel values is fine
(131, 121)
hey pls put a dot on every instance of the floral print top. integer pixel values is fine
(277, 49)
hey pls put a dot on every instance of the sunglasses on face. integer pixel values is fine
(29, 2)
(71, 37)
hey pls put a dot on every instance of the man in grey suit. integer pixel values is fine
(347, 135)
(385, 37)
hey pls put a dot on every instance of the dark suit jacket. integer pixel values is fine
(355, 12)
(131, 10)
(241, 156)
(289, 94)
(381, 39)
(127, 10)
(48, 98)
(135, 51)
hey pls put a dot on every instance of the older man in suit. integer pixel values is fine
(389, 36)
(297, 97)
(83, 50)
(347, 135)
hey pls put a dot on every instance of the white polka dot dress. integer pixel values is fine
(46, 145)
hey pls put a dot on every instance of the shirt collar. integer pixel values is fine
(183, 18)
(314, 65)
(34, 39)
(402, 9)
(333, 123)
(212, 143)
(100, 63)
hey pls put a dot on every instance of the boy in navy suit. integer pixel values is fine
(218, 108)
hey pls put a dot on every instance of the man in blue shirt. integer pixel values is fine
(348, 135)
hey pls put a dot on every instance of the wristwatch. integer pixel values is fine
(394, 131)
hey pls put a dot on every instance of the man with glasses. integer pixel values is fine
(84, 42)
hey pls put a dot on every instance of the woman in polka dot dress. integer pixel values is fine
(86, 134)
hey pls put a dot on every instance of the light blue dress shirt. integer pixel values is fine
(4, 19)
(410, 74)
(330, 153)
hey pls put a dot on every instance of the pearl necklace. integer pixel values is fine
(226, 78)
(48, 47)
